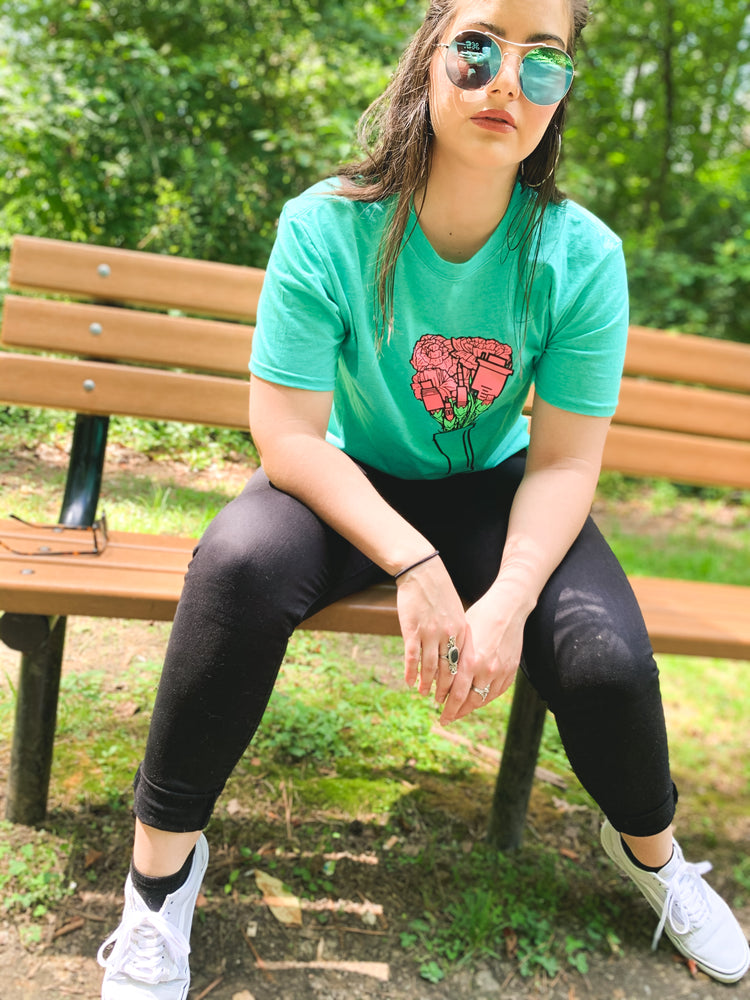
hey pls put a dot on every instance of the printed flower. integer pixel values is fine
(470, 349)
(456, 378)
(434, 351)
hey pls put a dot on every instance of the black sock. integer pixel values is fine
(640, 864)
(154, 890)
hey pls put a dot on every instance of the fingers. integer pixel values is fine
(412, 656)
(432, 620)
(476, 696)
(448, 662)
(429, 662)
(428, 670)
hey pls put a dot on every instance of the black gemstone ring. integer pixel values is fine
(452, 655)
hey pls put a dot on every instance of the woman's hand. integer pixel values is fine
(430, 613)
(495, 633)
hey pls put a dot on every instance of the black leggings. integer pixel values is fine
(266, 562)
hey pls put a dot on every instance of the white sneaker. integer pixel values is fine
(694, 917)
(149, 960)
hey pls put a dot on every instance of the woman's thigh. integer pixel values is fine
(267, 561)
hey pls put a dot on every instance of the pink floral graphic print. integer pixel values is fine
(457, 378)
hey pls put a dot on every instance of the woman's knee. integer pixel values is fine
(606, 669)
(262, 564)
(600, 652)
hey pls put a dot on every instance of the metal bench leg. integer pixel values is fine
(34, 732)
(513, 786)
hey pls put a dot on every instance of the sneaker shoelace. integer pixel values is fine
(686, 903)
(147, 948)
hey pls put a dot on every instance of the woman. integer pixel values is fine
(409, 305)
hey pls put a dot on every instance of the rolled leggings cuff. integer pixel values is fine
(171, 811)
(648, 824)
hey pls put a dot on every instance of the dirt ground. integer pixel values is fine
(242, 952)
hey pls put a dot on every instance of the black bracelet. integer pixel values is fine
(414, 565)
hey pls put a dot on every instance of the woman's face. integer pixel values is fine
(495, 127)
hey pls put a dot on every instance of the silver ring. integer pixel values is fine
(452, 655)
(482, 692)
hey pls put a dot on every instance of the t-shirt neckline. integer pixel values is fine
(421, 246)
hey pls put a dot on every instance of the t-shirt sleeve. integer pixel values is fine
(299, 324)
(581, 366)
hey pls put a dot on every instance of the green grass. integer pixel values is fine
(691, 552)
(32, 875)
(658, 528)
(22, 429)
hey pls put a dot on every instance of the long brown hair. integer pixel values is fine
(395, 133)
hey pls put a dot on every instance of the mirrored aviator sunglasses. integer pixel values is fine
(473, 60)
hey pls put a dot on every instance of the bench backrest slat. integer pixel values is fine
(686, 458)
(126, 334)
(684, 357)
(99, 387)
(690, 409)
(133, 276)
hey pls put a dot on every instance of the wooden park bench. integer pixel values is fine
(166, 338)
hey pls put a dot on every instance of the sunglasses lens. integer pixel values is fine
(473, 60)
(546, 75)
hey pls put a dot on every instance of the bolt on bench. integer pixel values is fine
(684, 415)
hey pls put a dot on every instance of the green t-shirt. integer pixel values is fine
(444, 393)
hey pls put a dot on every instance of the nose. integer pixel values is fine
(508, 79)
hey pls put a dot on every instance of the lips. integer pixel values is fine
(494, 117)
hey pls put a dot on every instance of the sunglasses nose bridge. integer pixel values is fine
(510, 67)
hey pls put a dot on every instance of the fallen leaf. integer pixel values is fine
(568, 853)
(126, 710)
(244, 995)
(283, 904)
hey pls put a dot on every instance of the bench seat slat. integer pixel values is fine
(695, 618)
(124, 390)
(126, 334)
(134, 276)
(684, 357)
(141, 576)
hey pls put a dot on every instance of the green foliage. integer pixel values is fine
(500, 906)
(32, 874)
(742, 877)
(322, 716)
(294, 730)
(181, 128)
(657, 147)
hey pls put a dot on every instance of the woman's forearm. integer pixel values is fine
(331, 484)
(548, 512)
(552, 501)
